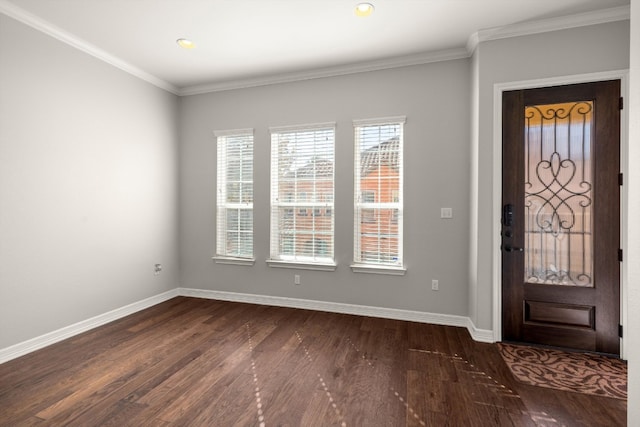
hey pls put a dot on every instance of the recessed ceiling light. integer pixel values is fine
(364, 9)
(185, 43)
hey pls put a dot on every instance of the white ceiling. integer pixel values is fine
(244, 41)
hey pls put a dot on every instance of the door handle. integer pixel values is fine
(509, 248)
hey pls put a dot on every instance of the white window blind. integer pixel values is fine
(378, 196)
(302, 188)
(234, 202)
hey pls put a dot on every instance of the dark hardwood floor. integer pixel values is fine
(196, 362)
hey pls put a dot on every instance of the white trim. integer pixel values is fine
(334, 307)
(378, 269)
(46, 27)
(361, 143)
(25, 347)
(301, 265)
(225, 168)
(480, 335)
(520, 29)
(233, 261)
(624, 208)
(472, 43)
(53, 337)
(602, 16)
(340, 70)
(301, 128)
(233, 132)
(380, 121)
(498, 88)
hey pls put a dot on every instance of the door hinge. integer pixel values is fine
(620, 255)
(620, 179)
(620, 331)
(621, 105)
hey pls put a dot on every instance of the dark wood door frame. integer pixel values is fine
(495, 239)
(541, 310)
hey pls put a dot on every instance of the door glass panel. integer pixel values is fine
(558, 194)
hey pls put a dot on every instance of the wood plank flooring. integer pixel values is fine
(197, 362)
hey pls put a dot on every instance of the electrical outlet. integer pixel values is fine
(435, 285)
(296, 279)
(157, 269)
(446, 213)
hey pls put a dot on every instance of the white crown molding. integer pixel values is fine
(602, 16)
(514, 30)
(472, 43)
(334, 307)
(382, 64)
(39, 24)
(45, 340)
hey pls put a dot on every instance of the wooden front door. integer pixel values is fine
(561, 216)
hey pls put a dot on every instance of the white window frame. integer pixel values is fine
(222, 256)
(299, 261)
(358, 265)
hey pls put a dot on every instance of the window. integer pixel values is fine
(302, 180)
(234, 201)
(367, 215)
(368, 196)
(378, 195)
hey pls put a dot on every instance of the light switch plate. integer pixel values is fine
(446, 213)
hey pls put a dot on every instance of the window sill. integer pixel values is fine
(378, 269)
(301, 265)
(233, 261)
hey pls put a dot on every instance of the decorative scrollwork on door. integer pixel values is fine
(558, 194)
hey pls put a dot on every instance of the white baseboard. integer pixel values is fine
(481, 335)
(42, 341)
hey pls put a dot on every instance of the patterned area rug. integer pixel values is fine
(578, 372)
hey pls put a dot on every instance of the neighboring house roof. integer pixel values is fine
(384, 154)
(315, 168)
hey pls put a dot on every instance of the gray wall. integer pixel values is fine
(576, 51)
(88, 186)
(434, 98)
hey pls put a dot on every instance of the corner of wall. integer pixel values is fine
(33, 344)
